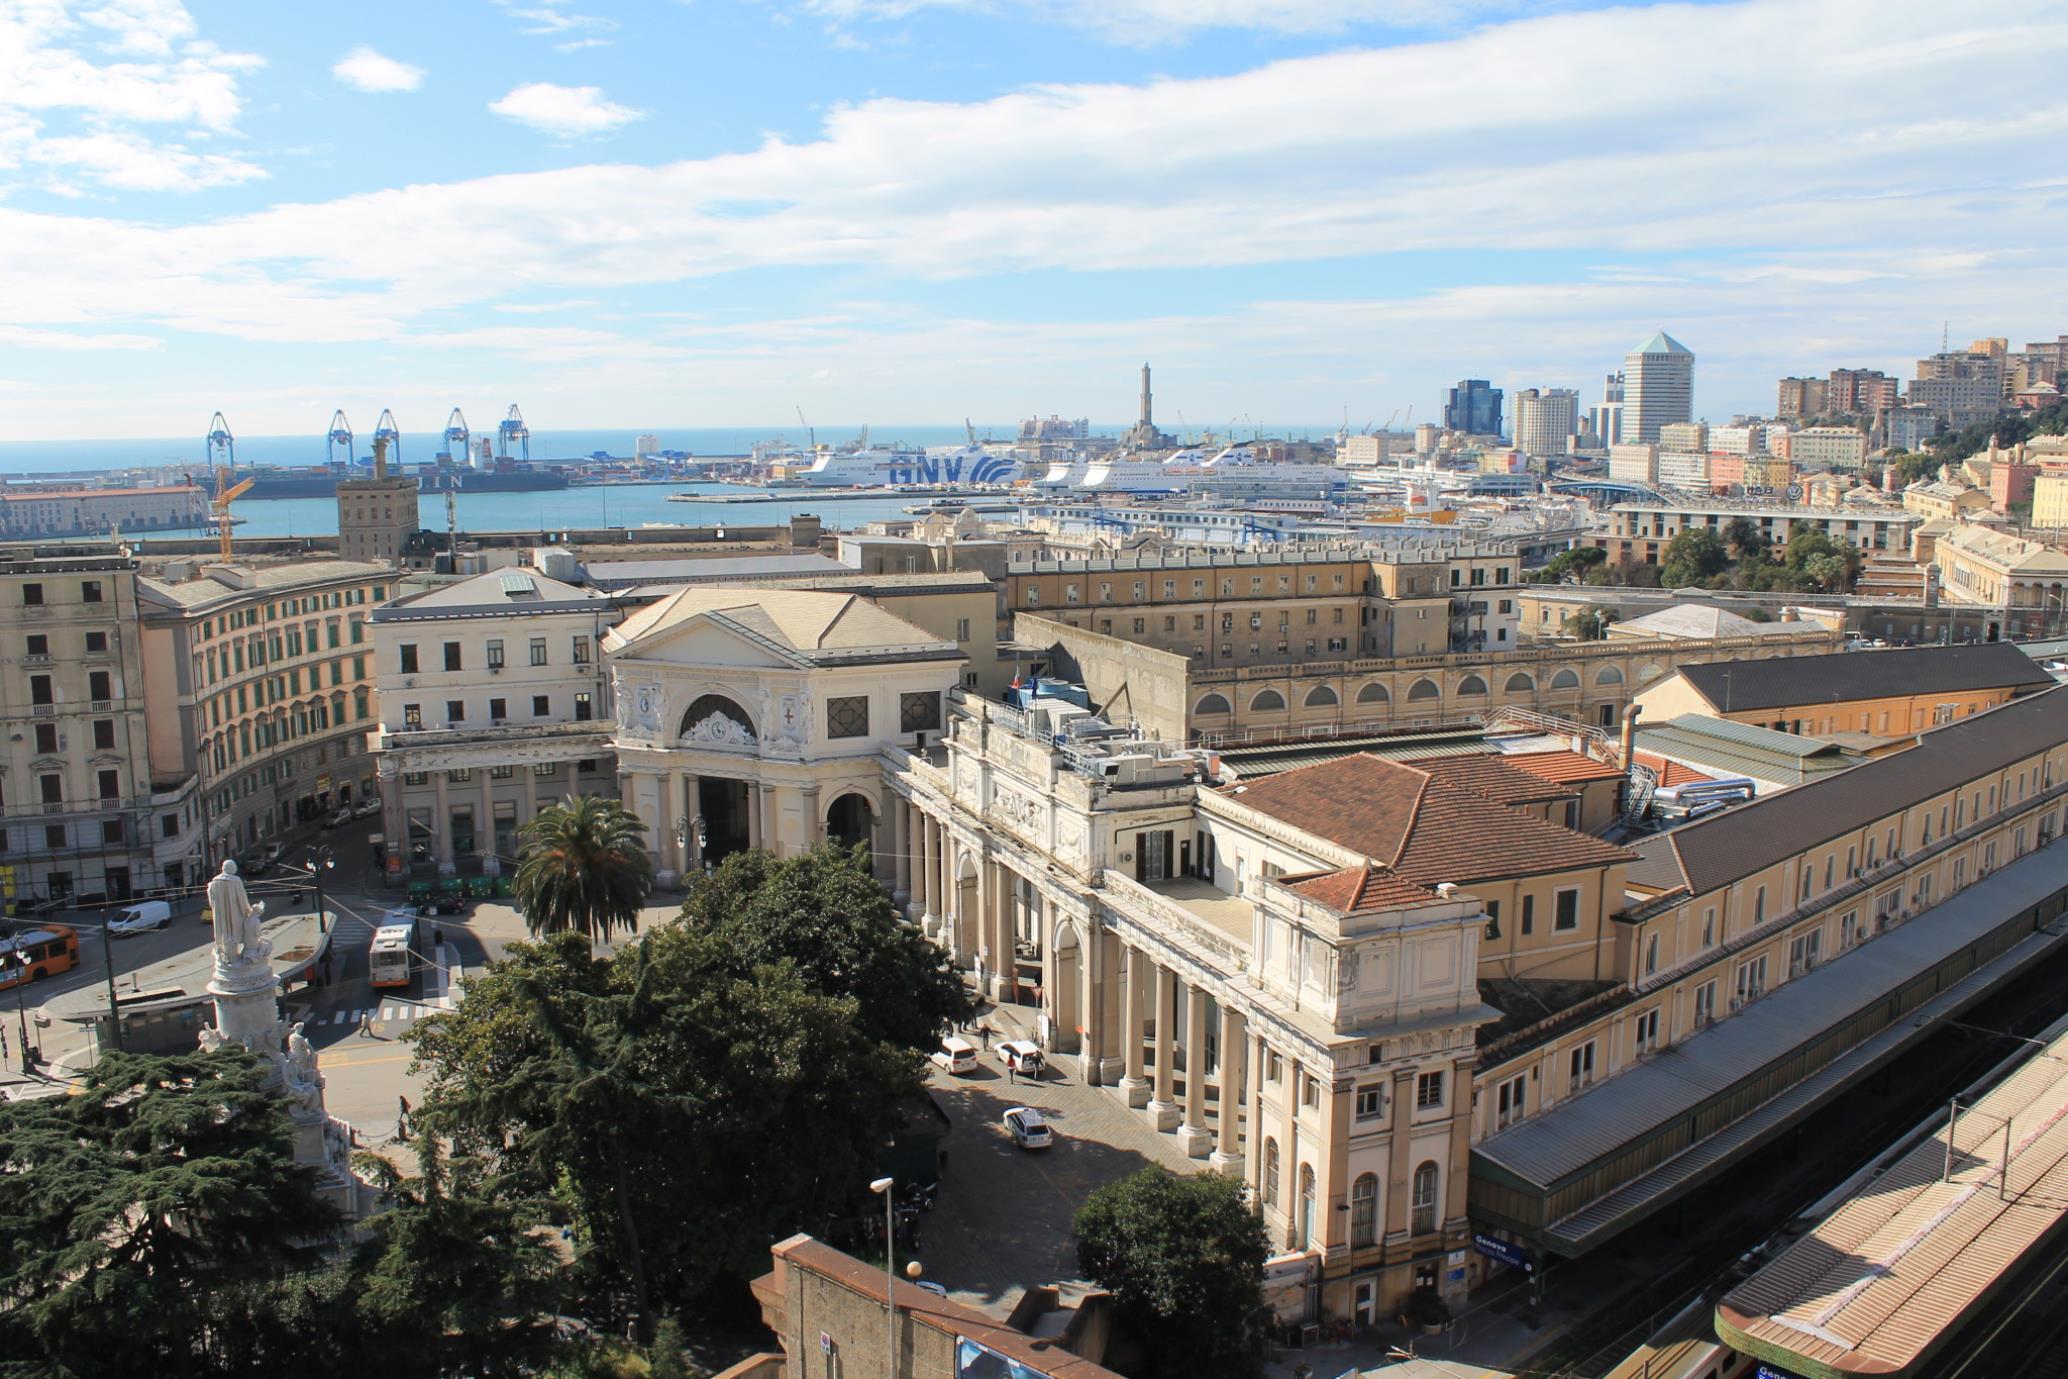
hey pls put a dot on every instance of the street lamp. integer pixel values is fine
(21, 1009)
(881, 1187)
(320, 861)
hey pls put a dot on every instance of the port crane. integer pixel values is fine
(339, 439)
(810, 434)
(457, 438)
(512, 429)
(222, 446)
(386, 430)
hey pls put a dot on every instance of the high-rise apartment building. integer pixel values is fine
(1606, 419)
(1859, 392)
(1800, 397)
(1961, 386)
(1474, 407)
(1545, 420)
(1659, 387)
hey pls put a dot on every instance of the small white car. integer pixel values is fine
(139, 916)
(957, 1055)
(1022, 1056)
(367, 807)
(338, 818)
(1028, 1128)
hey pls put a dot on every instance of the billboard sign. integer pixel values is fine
(975, 1360)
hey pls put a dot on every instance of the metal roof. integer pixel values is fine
(1555, 1145)
(1883, 1280)
(1254, 763)
(1844, 676)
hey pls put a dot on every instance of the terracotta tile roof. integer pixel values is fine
(1566, 767)
(1497, 779)
(1353, 890)
(1423, 826)
(1670, 773)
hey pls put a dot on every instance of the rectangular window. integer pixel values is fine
(1310, 1091)
(847, 716)
(498, 710)
(1371, 1102)
(412, 715)
(1568, 916)
(1429, 1091)
(110, 784)
(452, 656)
(408, 650)
(111, 831)
(1644, 1031)
(502, 772)
(495, 655)
(1582, 1062)
(1705, 1003)
(545, 768)
(538, 651)
(455, 710)
(1529, 914)
(104, 734)
(32, 596)
(919, 712)
(53, 788)
(583, 710)
(581, 651)
(96, 642)
(541, 705)
(100, 686)
(1512, 1096)
(89, 591)
(1751, 982)
(1804, 950)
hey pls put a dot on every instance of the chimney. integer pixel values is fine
(380, 457)
(1446, 889)
(1629, 730)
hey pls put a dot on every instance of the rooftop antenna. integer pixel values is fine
(452, 527)
(1945, 328)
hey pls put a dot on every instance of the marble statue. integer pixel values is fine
(237, 938)
(301, 1056)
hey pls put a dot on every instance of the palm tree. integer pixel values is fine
(584, 867)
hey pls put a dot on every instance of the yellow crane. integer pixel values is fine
(226, 494)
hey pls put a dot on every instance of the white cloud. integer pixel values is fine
(567, 111)
(68, 106)
(1786, 214)
(546, 17)
(1154, 21)
(371, 71)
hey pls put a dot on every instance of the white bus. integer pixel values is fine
(394, 943)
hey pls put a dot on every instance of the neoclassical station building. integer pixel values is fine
(1400, 982)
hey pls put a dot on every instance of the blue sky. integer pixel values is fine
(714, 211)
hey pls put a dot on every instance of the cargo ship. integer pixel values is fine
(320, 482)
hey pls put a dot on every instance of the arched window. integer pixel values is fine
(1373, 693)
(1321, 697)
(1472, 685)
(714, 718)
(1271, 1172)
(1518, 683)
(1565, 679)
(1212, 703)
(1306, 1206)
(1609, 676)
(1267, 701)
(1423, 689)
(1364, 1210)
(1651, 670)
(1424, 1200)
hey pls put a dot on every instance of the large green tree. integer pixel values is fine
(583, 866)
(826, 915)
(685, 1104)
(144, 1220)
(1693, 557)
(1184, 1260)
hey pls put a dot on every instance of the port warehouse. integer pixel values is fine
(1568, 1178)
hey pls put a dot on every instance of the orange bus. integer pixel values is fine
(48, 949)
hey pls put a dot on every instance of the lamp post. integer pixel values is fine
(882, 1186)
(21, 1009)
(108, 961)
(320, 861)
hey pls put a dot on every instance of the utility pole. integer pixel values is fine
(108, 959)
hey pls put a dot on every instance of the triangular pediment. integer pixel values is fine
(708, 639)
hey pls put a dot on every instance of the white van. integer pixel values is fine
(140, 915)
(957, 1055)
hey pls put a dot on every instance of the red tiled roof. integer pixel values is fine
(1493, 776)
(1423, 826)
(1362, 887)
(1562, 766)
(1670, 773)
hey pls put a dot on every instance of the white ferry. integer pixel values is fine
(1235, 469)
(887, 467)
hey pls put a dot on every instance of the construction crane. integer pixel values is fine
(386, 430)
(512, 429)
(340, 438)
(227, 493)
(1390, 420)
(812, 435)
(456, 433)
(222, 446)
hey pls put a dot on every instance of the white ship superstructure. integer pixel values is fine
(1232, 470)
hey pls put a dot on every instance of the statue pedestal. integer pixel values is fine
(247, 1005)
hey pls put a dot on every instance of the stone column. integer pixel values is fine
(900, 814)
(395, 838)
(484, 830)
(1133, 1085)
(1193, 1136)
(671, 868)
(1400, 1170)
(530, 777)
(754, 814)
(1163, 1107)
(1457, 1173)
(1253, 1142)
(814, 817)
(926, 898)
(1234, 1054)
(1091, 965)
(441, 824)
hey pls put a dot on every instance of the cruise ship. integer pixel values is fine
(1232, 470)
(887, 467)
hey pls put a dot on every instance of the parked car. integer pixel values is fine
(1029, 1128)
(957, 1055)
(258, 864)
(367, 807)
(338, 818)
(142, 915)
(272, 851)
(1022, 1056)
